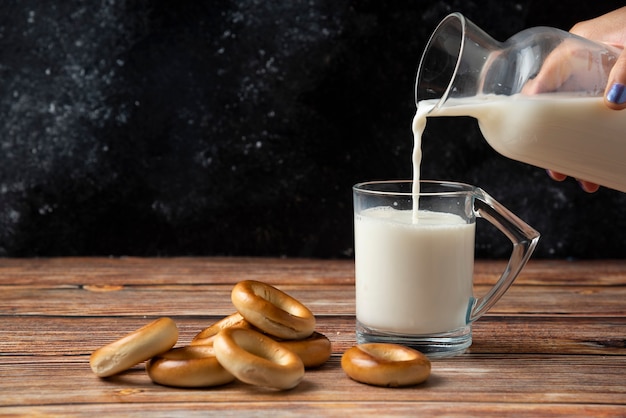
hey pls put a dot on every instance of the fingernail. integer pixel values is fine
(588, 187)
(617, 94)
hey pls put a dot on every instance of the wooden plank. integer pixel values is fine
(50, 336)
(557, 272)
(560, 300)
(155, 271)
(190, 270)
(326, 409)
(469, 378)
(550, 335)
(91, 299)
(156, 300)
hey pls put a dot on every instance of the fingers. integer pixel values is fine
(568, 68)
(615, 95)
(587, 186)
(609, 29)
(555, 70)
(556, 176)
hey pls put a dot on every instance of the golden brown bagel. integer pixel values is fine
(191, 366)
(207, 335)
(257, 359)
(314, 350)
(272, 310)
(389, 365)
(140, 345)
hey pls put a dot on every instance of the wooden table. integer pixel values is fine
(554, 345)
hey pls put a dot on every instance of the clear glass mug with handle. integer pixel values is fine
(414, 275)
(538, 96)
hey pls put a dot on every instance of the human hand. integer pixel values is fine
(566, 66)
(609, 28)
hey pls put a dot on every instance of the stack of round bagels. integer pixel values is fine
(269, 342)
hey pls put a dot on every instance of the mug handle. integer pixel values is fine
(523, 237)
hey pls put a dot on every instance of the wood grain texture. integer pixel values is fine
(554, 345)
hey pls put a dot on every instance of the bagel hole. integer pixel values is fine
(281, 300)
(271, 354)
(389, 354)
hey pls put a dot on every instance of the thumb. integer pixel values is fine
(615, 94)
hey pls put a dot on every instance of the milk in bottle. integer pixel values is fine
(576, 136)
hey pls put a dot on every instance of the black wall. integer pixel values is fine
(238, 127)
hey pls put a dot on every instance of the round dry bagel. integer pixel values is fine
(314, 350)
(389, 365)
(272, 311)
(191, 366)
(140, 345)
(207, 335)
(257, 359)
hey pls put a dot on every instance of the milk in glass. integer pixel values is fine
(413, 277)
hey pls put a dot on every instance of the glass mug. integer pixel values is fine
(413, 277)
(538, 96)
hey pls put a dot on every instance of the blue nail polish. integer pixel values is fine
(617, 94)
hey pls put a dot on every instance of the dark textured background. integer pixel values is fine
(239, 127)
